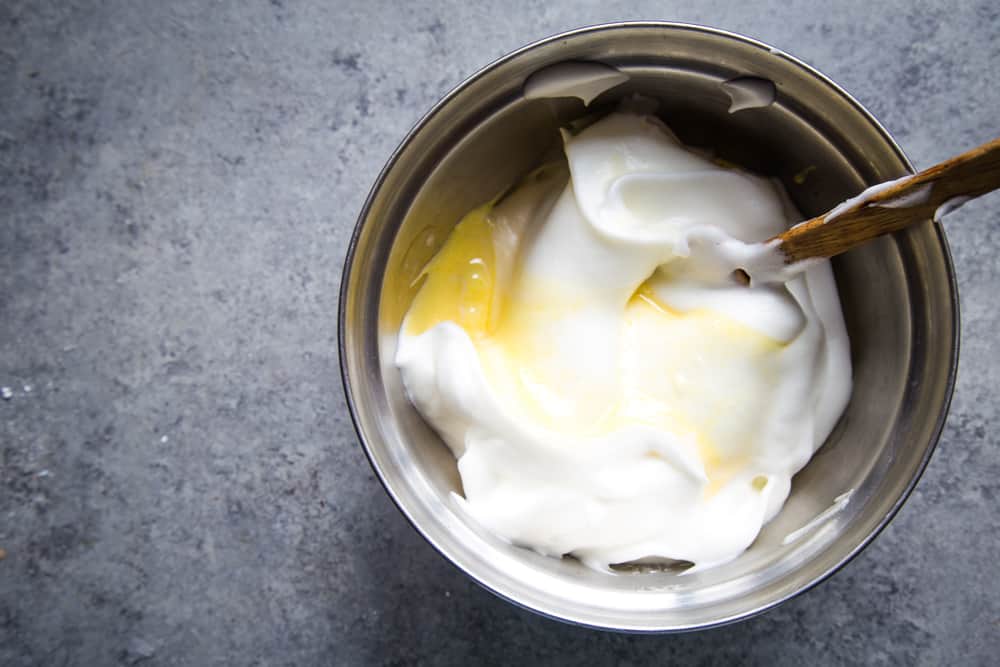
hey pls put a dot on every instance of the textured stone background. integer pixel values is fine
(179, 480)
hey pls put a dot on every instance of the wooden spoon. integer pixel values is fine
(891, 206)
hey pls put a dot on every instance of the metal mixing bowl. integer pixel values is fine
(899, 298)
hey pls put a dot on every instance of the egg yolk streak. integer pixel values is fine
(663, 361)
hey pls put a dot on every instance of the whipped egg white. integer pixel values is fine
(608, 389)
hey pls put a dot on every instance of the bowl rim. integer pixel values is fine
(446, 100)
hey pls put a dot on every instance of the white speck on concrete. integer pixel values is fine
(139, 649)
(6, 392)
(44, 473)
(27, 389)
(164, 438)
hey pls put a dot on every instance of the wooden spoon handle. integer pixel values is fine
(894, 205)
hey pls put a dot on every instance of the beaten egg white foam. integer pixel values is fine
(607, 388)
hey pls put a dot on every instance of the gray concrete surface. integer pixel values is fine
(181, 484)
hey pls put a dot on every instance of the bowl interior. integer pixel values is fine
(897, 294)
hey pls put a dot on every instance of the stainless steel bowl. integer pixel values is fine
(898, 293)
